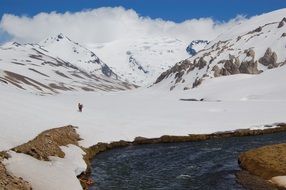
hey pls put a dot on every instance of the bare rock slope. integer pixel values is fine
(251, 47)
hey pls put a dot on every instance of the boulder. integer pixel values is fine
(217, 71)
(266, 162)
(281, 23)
(269, 59)
(250, 53)
(201, 63)
(259, 29)
(197, 82)
(249, 67)
(232, 66)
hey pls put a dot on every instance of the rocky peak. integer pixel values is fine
(269, 59)
(282, 22)
(195, 46)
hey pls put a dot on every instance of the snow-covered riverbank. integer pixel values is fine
(234, 102)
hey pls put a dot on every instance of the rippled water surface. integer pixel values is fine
(203, 165)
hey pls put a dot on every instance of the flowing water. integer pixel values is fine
(202, 165)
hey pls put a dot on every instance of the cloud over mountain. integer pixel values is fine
(107, 24)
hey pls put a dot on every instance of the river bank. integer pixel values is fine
(49, 145)
(102, 147)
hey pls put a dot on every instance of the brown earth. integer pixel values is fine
(266, 162)
(252, 182)
(8, 181)
(44, 145)
(48, 143)
(101, 147)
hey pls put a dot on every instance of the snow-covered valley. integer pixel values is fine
(115, 116)
(235, 82)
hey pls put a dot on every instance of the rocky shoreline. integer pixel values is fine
(101, 147)
(266, 162)
(48, 144)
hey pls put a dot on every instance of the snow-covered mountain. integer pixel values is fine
(251, 47)
(81, 57)
(141, 61)
(196, 46)
(55, 64)
(58, 64)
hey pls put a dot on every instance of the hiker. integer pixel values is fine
(80, 106)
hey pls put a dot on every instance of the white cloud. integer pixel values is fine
(106, 24)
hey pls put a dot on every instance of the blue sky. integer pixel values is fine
(17, 27)
(175, 10)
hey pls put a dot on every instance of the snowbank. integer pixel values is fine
(59, 173)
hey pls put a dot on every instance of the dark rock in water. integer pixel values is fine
(266, 162)
(252, 182)
(269, 59)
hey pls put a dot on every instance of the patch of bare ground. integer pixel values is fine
(8, 181)
(101, 147)
(252, 182)
(264, 162)
(48, 143)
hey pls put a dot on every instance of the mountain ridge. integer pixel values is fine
(256, 46)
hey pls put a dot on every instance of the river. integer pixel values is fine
(205, 165)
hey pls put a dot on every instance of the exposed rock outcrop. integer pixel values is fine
(181, 66)
(252, 182)
(197, 82)
(9, 182)
(269, 59)
(201, 63)
(249, 67)
(282, 22)
(266, 162)
(231, 66)
(48, 143)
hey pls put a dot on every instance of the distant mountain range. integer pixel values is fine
(54, 65)
(59, 64)
(251, 47)
(141, 61)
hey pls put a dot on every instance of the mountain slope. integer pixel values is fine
(141, 61)
(251, 47)
(196, 46)
(56, 66)
(70, 51)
